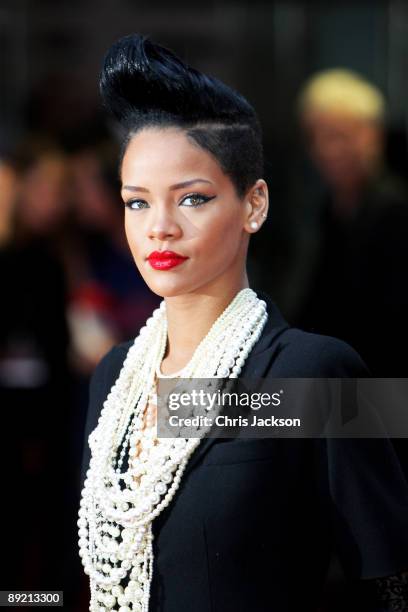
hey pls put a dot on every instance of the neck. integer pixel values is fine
(190, 317)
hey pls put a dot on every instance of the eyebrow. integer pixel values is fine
(172, 187)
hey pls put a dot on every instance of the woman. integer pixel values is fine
(217, 524)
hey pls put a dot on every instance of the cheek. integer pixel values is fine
(220, 238)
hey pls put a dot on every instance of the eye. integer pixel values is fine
(194, 200)
(136, 204)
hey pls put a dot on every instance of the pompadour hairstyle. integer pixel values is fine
(144, 84)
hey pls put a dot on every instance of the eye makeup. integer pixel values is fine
(200, 200)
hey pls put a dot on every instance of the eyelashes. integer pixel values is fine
(136, 204)
(198, 200)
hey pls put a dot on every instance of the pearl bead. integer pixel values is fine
(110, 600)
(223, 372)
(160, 487)
(154, 498)
(123, 600)
(117, 590)
(138, 593)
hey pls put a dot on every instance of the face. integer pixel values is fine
(179, 201)
(342, 146)
(43, 194)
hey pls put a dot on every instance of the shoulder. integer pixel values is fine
(288, 352)
(308, 355)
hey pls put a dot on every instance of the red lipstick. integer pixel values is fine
(165, 260)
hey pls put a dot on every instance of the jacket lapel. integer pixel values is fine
(256, 365)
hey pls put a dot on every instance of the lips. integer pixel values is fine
(164, 260)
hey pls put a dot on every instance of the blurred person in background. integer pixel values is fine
(33, 312)
(34, 378)
(357, 289)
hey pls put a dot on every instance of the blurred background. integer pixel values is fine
(332, 254)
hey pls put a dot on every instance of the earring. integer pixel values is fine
(254, 225)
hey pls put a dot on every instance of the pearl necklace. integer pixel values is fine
(115, 522)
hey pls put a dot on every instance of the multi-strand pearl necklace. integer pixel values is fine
(115, 521)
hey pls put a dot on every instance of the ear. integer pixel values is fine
(257, 204)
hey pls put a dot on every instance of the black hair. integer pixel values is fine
(144, 84)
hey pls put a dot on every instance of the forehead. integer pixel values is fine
(167, 153)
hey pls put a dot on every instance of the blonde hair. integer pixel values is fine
(345, 91)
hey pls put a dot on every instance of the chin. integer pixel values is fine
(164, 283)
(169, 287)
(173, 287)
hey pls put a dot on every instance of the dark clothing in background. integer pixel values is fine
(34, 398)
(254, 522)
(358, 290)
(32, 316)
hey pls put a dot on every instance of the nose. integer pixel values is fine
(164, 226)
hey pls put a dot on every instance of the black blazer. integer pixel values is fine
(253, 523)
